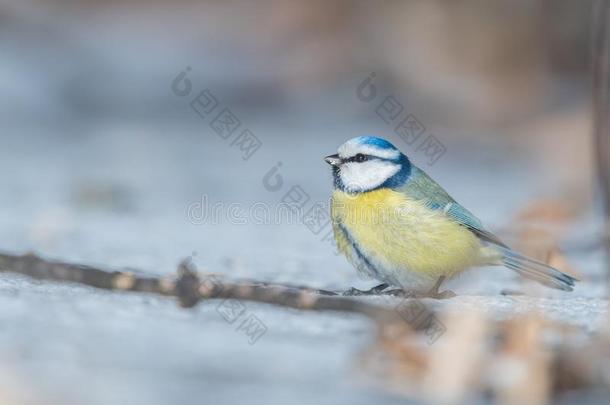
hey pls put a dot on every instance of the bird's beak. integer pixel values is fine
(333, 160)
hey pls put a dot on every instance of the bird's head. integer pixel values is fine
(367, 163)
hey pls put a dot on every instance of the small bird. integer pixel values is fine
(397, 225)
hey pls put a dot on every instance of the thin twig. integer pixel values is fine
(190, 288)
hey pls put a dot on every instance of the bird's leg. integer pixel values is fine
(435, 293)
(373, 291)
(434, 290)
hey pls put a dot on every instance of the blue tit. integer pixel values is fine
(397, 225)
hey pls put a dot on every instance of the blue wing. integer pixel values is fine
(421, 187)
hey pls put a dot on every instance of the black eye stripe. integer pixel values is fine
(356, 159)
(360, 157)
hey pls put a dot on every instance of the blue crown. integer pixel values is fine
(375, 141)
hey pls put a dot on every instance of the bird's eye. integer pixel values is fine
(360, 158)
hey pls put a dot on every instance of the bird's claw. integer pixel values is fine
(411, 294)
(443, 295)
(373, 291)
(353, 292)
(399, 292)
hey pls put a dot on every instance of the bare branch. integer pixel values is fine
(190, 287)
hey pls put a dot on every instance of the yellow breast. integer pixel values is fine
(400, 234)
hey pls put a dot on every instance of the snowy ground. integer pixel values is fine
(118, 196)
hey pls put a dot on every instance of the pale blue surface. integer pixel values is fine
(82, 345)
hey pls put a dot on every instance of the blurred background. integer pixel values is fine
(112, 140)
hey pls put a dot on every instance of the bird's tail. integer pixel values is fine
(537, 271)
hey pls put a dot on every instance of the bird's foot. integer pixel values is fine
(511, 293)
(413, 294)
(442, 295)
(399, 292)
(373, 291)
(436, 294)
(378, 289)
(382, 289)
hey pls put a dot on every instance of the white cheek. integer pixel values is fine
(357, 177)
